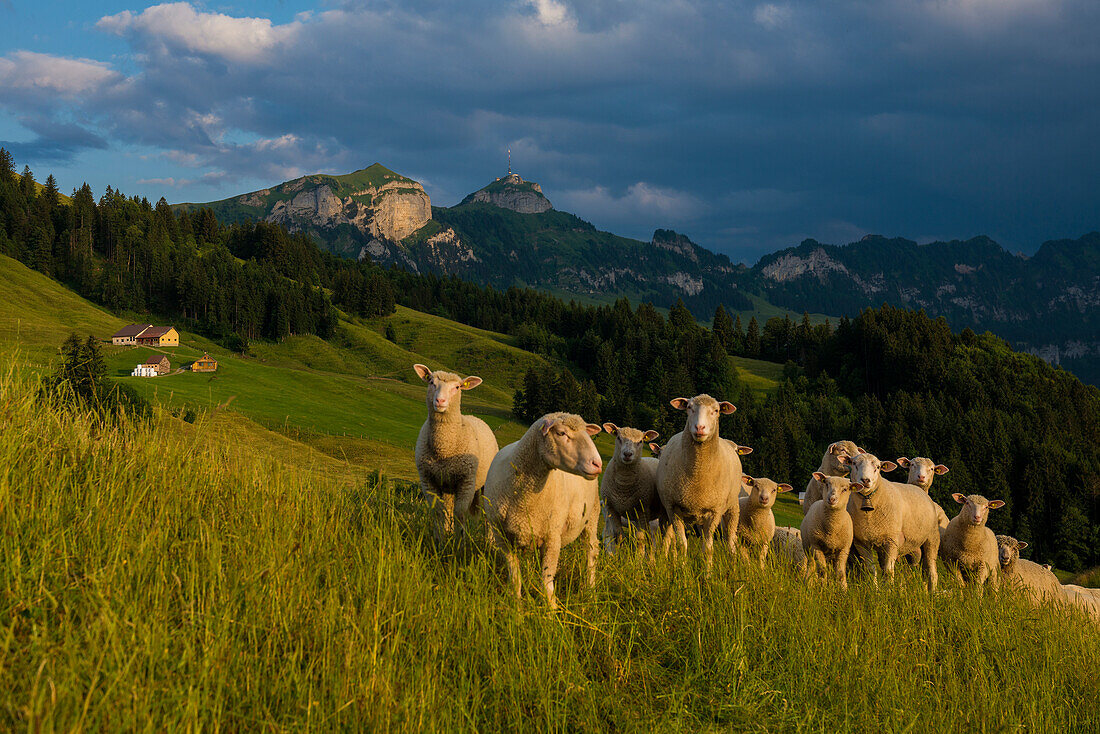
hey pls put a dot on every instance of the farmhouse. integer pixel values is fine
(159, 336)
(158, 362)
(128, 334)
(206, 363)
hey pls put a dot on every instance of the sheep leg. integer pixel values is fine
(819, 562)
(464, 498)
(841, 568)
(729, 529)
(593, 551)
(887, 558)
(928, 562)
(764, 555)
(612, 529)
(958, 574)
(708, 540)
(508, 555)
(550, 551)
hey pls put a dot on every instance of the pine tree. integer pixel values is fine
(7, 165)
(752, 339)
(723, 328)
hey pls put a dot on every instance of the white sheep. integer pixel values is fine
(699, 476)
(628, 488)
(755, 519)
(1087, 600)
(969, 547)
(453, 451)
(890, 519)
(741, 450)
(541, 493)
(826, 531)
(922, 471)
(787, 544)
(1038, 583)
(831, 466)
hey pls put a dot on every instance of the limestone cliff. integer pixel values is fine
(512, 192)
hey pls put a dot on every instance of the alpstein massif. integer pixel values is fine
(357, 214)
(1048, 304)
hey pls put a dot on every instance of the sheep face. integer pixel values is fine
(567, 445)
(837, 490)
(866, 473)
(1008, 549)
(703, 413)
(444, 388)
(922, 471)
(976, 508)
(832, 464)
(763, 491)
(629, 443)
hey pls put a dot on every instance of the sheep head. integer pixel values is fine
(976, 508)
(444, 388)
(703, 413)
(763, 491)
(1008, 549)
(837, 489)
(566, 444)
(922, 471)
(866, 473)
(831, 462)
(629, 442)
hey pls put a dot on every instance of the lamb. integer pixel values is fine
(830, 467)
(755, 519)
(1040, 585)
(921, 473)
(969, 547)
(827, 529)
(890, 519)
(699, 476)
(453, 451)
(541, 493)
(629, 486)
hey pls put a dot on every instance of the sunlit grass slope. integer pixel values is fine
(156, 577)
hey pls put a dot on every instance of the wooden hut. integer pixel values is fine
(206, 363)
(158, 362)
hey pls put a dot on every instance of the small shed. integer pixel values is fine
(206, 363)
(159, 362)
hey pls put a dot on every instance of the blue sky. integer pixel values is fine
(746, 125)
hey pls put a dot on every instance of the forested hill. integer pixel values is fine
(1048, 304)
(899, 383)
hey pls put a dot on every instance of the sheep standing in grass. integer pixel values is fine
(969, 547)
(831, 466)
(1087, 600)
(541, 493)
(629, 486)
(755, 519)
(699, 476)
(453, 451)
(921, 473)
(826, 530)
(1040, 585)
(890, 519)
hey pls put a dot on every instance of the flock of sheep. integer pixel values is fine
(541, 493)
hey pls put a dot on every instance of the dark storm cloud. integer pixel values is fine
(746, 125)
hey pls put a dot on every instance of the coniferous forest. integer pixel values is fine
(1007, 424)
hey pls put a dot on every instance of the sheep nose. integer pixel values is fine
(628, 455)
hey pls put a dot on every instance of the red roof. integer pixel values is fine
(155, 332)
(155, 360)
(131, 330)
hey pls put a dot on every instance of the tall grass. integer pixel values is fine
(152, 580)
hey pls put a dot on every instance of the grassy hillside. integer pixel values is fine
(156, 576)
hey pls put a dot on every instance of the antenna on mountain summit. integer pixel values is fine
(509, 161)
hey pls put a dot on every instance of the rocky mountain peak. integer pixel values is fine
(512, 192)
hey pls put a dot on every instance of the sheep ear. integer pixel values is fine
(819, 476)
(744, 450)
(726, 407)
(996, 503)
(547, 424)
(960, 498)
(856, 485)
(941, 469)
(844, 459)
(747, 480)
(835, 448)
(650, 436)
(679, 403)
(470, 382)
(784, 488)
(611, 428)
(860, 451)
(1020, 545)
(654, 448)
(424, 372)
(887, 466)
(592, 429)
(903, 462)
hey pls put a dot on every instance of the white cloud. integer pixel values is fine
(34, 71)
(179, 26)
(553, 13)
(168, 181)
(641, 199)
(772, 16)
